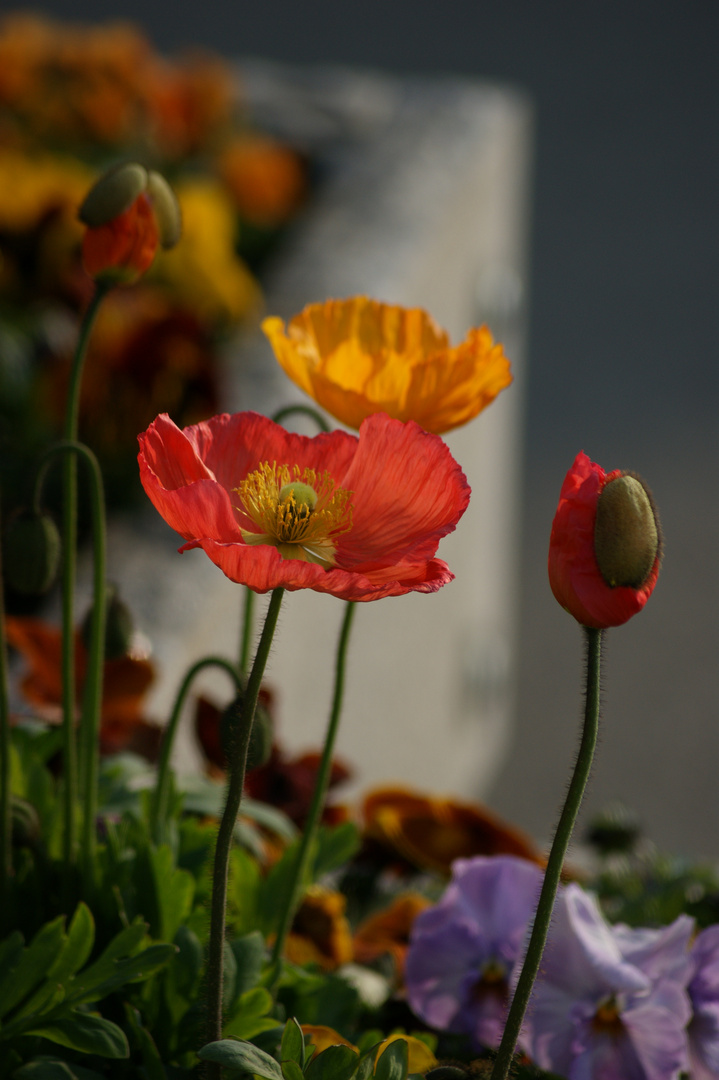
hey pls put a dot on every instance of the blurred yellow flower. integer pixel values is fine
(419, 1056)
(204, 271)
(356, 357)
(34, 185)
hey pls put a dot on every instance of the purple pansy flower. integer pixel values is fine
(610, 1002)
(703, 1031)
(462, 951)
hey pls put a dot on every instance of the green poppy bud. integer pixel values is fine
(167, 209)
(25, 823)
(626, 533)
(258, 752)
(113, 194)
(119, 625)
(31, 552)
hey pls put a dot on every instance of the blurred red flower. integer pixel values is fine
(357, 517)
(582, 550)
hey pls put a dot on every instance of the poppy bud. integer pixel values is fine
(119, 626)
(626, 539)
(31, 552)
(258, 751)
(605, 546)
(130, 212)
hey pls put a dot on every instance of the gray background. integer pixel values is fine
(623, 340)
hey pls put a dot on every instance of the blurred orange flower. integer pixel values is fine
(320, 932)
(356, 357)
(322, 1036)
(122, 249)
(388, 931)
(125, 684)
(266, 180)
(430, 833)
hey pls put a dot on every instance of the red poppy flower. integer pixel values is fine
(605, 546)
(357, 517)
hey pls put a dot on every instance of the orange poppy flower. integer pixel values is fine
(357, 357)
(359, 518)
(320, 932)
(388, 931)
(126, 681)
(430, 833)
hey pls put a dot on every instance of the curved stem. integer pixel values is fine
(69, 544)
(162, 787)
(237, 765)
(303, 410)
(318, 800)
(5, 802)
(555, 861)
(92, 691)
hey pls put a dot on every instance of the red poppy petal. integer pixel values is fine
(409, 492)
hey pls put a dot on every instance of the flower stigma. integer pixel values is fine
(300, 512)
(607, 1019)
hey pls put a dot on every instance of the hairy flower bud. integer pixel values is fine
(113, 194)
(119, 626)
(31, 552)
(260, 746)
(605, 546)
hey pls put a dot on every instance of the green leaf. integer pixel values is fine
(87, 1033)
(270, 818)
(151, 1059)
(33, 966)
(291, 1070)
(47, 1068)
(292, 1047)
(249, 952)
(392, 1063)
(366, 1065)
(164, 892)
(334, 1063)
(249, 1015)
(75, 950)
(242, 1057)
(101, 978)
(335, 847)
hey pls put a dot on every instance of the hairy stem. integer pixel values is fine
(555, 861)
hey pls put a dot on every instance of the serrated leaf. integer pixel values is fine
(33, 966)
(392, 1062)
(334, 1063)
(291, 1070)
(242, 1057)
(86, 1033)
(292, 1047)
(73, 954)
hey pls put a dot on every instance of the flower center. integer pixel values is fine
(300, 512)
(607, 1019)
(492, 981)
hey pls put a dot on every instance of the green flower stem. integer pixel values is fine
(248, 621)
(303, 410)
(236, 781)
(158, 814)
(5, 803)
(291, 895)
(555, 862)
(69, 544)
(92, 692)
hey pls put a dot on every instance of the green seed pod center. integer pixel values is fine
(301, 499)
(626, 535)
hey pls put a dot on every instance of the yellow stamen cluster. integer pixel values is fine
(300, 512)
